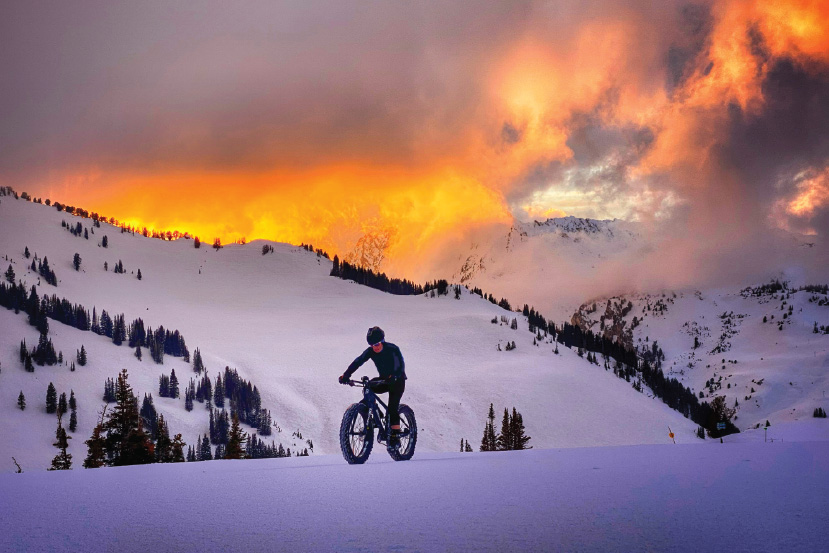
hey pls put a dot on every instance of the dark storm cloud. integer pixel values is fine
(791, 135)
(218, 84)
(695, 25)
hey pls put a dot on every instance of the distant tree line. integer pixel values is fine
(380, 281)
(98, 218)
(160, 342)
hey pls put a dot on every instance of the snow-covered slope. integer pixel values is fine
(748, 496)
(291, 329)
(760, 351)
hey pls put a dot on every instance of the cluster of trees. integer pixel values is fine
(266, 249)
(119, 268)
(42, 268)
(160, 342)
(380, 281)
(121, 439)
(42, 354)
(109, 390)
(318, 251)
(246, 402)
(502, 303)
(511, 437)
(766, 289)
(819, 412)
(168, 385)
(60, 406)
(77, 229)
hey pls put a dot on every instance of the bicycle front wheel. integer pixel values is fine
(356, 437)
(408, 435)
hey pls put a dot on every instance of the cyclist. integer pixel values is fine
(389, 362)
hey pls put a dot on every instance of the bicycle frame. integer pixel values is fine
(377, 415)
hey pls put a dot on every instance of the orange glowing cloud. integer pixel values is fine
(412, 129)
(729, 71)
(812, 194)
(319, 206)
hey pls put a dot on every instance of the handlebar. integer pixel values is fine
(362, 383)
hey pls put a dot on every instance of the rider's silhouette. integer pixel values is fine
(389, 362)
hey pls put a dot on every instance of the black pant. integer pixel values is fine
(395, 389)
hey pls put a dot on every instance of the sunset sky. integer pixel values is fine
(320, 121)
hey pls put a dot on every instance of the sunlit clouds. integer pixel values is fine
(323, 121)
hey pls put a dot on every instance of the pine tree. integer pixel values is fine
(178, 449)
(139, 274)
(519, 438)
(149, 416)
(219, 392)
(505, 439)
(163, 444)
(82, 356)
(51, 399)
(24, 353)
(63, 405)
(198, 365)
(28, 365)
(26, 253)
(138, 354)
(21, 401)
(173, 389)
(76, 262)
(10, 275)
(196, 242)
(234, 448)
(205, 454)
(468, 448)
(63, 460)
(489, 440)
(126, 442)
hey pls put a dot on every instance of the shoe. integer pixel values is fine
(394, 438)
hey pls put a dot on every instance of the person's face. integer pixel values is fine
(377, 347)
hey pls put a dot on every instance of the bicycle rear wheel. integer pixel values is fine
(356, 438)
(408, 435)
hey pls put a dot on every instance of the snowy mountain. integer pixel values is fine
(370, 250)
(765, 348)
(549, 264)
(289, 329)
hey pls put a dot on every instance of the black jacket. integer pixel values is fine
(389, 362)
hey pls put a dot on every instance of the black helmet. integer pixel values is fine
(375, 335)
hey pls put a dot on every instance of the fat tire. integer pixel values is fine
(349, 418)
(408, 416)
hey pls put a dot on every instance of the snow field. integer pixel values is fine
(696, 497)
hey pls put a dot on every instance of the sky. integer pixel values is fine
(321, 121)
